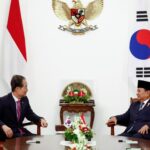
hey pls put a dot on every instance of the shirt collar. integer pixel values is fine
(14, 97)
(145, 101)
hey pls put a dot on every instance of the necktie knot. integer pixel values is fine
(18, 102)
(141, 106)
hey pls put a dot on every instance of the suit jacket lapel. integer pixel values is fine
(13, 106)
(147, 104)
(22, 108)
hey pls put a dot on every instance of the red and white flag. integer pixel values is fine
(82, 117)
(13, 49)
(139, 45)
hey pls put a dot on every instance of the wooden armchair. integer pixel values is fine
(60, 128)
(112, 125)
(32, 123)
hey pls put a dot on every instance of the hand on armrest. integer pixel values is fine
(112, 121)
(43, 123)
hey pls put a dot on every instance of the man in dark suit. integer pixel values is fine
(137, 117)
(14, 107)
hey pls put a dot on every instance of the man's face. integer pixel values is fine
(22, 91)
(142, 94)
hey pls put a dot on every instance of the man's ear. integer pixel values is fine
(148, 92)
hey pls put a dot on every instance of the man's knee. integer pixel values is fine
(138, 135)
(143, 136)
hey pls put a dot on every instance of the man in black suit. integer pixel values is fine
(137, 117)
(14, 107)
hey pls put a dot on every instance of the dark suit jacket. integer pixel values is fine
(135, 118)
(8, 115)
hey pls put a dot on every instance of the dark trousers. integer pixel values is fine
(2, 135)
(136, 135)
(25, 133)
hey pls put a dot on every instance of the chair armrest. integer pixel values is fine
(60, 128)
(27, 124)
(32, 123)
(111, 125)
(132, 100)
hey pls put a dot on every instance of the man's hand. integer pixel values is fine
(43, 123)
(112, 120)
(144, 129)
(8, 131)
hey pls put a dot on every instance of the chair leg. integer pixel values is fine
(112, 130)
(38, 130)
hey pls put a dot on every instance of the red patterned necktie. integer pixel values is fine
(18, 110)
(19, 114)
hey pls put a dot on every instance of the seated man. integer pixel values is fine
(137, 117)
(14, 107)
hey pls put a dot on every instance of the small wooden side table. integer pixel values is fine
(77, 108)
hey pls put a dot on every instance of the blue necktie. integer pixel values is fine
(141, 106)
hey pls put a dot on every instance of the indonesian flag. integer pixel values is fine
(82, 117)
(13, 49)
